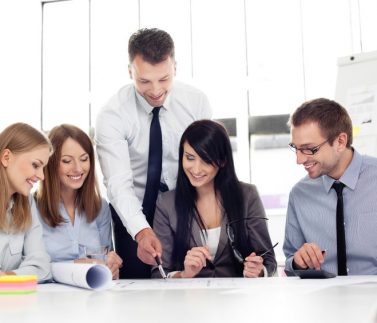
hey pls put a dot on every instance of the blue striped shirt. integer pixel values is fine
(311, 217)
(66, 241)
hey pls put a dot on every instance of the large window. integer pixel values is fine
(252, 58)
(20, 62)
(65, 64)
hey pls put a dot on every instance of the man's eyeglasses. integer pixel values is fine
(306, 151)
(231, 237)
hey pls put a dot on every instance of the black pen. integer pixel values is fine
(210, 264)
(161, 270)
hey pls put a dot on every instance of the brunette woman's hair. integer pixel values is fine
(48, 195)
(211, 142)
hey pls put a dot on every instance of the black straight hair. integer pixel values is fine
(211, 142)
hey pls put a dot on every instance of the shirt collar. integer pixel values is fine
(8, 213)
(146, 106)
(10, 205)
(350, 175)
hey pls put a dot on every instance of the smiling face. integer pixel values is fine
(153, 82)
(327, 160)
(200, 174)
(74, 165)
(25, 169)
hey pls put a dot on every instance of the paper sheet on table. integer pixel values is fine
(91, 276)
(238, 284)
(193, 283)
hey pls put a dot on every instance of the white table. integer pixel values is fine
(280, 299)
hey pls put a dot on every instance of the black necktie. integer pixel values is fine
(340, 234)
(154, 167)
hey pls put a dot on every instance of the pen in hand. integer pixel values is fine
(323, 255)
(210, 264)
(161, 270)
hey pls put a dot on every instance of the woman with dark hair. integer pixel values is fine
(24, 152)
(211, 225)
(71, 210)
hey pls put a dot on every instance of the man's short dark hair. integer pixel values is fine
(330, 116)
(154, 45)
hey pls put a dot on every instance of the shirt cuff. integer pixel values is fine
(265, 273)
(136, 224)
(289, 265)
(172, 273)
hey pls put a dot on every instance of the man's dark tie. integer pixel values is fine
(154, 167)
(340, 234)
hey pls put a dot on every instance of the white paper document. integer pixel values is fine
(91, 276)
(193, 283)
(240, 284)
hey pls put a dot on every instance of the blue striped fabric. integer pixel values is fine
(311, 217)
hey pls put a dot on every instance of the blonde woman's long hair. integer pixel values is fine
(17, 138)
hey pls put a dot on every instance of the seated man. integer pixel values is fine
(332, 213)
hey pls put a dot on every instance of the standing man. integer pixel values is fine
(137, 136)
(332, 212)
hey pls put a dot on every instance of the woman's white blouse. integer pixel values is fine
(211, 240)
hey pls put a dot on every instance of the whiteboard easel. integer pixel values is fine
(356, 90)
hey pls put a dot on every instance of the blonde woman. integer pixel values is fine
(24, 152)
